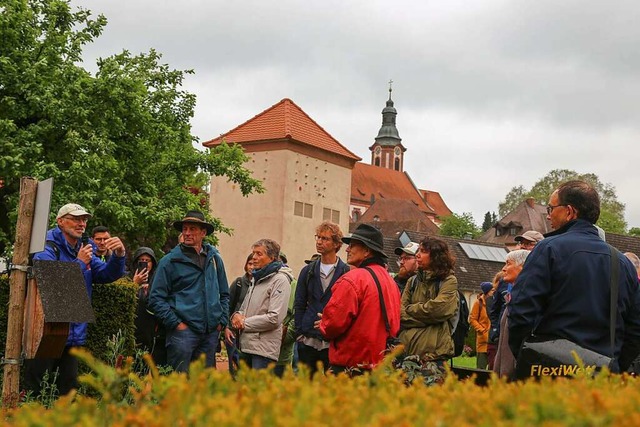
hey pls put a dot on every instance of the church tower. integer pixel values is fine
(387, 151)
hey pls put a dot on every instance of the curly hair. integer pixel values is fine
(334, 229)
(442, 260)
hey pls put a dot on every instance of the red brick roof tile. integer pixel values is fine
(368, 180)
(284, 120)
(434, 199)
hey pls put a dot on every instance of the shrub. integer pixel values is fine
(381, 399)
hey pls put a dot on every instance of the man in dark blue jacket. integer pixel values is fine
(190, 295)
(313, 292)
(64, 244)
(563, 290)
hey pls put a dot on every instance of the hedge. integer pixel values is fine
(257, 398)
(114, 305)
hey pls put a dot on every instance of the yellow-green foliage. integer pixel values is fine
(257, 398)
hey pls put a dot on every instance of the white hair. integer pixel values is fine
(518, 257)
(634, 259)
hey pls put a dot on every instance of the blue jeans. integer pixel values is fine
(257, 362)
(183, 347)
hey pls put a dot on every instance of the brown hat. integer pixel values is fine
(531, 235)
(194, 217)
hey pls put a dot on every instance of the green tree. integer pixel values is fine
(118, 142)
(459, 226)
(635, 231)
(490, 218)
(612, 210)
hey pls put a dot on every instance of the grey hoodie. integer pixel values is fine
(265, 308)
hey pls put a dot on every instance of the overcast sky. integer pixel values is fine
(490, 94)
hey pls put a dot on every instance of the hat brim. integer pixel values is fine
(178, 225)
(400, 251)
(367, 242)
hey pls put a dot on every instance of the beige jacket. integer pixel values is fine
(265, 308)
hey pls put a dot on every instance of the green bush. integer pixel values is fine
(114, 305)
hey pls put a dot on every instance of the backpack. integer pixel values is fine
(459, 322)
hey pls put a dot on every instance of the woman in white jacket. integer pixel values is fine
(259, 320)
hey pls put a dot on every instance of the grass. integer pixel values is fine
(464, 361)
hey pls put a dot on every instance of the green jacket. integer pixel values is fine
(425, 315)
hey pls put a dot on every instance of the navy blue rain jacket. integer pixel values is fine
(310, 299)
(563, 292)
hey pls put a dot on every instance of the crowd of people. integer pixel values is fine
(340, 315)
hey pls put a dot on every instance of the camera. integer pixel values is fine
(142, 265)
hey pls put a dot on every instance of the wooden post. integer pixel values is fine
(17, 289)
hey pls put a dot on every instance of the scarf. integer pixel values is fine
(268, 269)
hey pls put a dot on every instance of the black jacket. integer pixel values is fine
(310, 300)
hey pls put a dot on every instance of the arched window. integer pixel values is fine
(397, 164)
(377, 161)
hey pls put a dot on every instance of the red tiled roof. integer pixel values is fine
(398, 214)
(434, 199)
(368, 180)
(284, 120)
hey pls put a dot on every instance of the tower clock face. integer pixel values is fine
(378, 150)
(397, 151)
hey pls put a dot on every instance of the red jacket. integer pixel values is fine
(352, 319)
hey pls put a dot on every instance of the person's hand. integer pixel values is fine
(181, 326)
(85, 253)
(316, 324)
(141, 277)
(237, 321)
(115, 244)
(229, 336)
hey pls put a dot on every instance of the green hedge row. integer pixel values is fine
(114, 305)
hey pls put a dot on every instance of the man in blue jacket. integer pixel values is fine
(64, 244)
(563, 290)
(313, 292)
(190, 295)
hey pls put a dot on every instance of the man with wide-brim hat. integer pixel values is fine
(194, 217)
(354, 316)
(190, 294)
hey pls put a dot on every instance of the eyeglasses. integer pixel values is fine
(77, 219)
(550, 208)
(323, 238)
(526, 243)
(402, 259)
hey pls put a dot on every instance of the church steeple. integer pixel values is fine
(387, 150)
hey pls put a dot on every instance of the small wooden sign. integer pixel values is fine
(56, 296)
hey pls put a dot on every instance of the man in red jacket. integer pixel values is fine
(353, 320)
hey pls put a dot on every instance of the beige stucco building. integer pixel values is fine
(306, 174)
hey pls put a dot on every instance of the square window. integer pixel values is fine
(298, 208)
(335, 216)
(308, 210)
(326, 214)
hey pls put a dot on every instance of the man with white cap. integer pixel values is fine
(528, 239)
(407, 263)
(64, 243)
